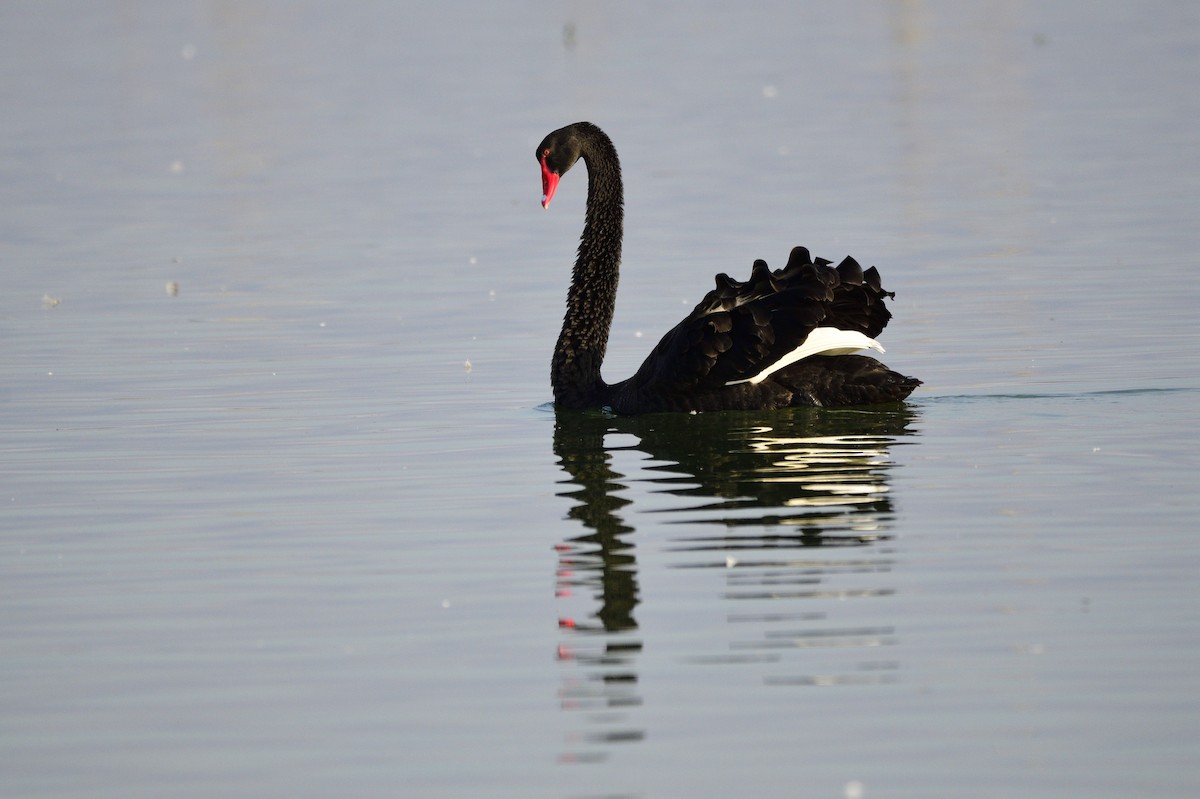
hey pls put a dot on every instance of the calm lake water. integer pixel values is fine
(284, 510)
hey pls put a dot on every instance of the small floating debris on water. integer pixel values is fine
(467, 366)
(50, 302)
(172, 288)
(853, 790)
(177, 167)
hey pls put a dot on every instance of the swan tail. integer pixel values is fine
(829, 381)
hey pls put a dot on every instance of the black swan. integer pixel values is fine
(781, 338)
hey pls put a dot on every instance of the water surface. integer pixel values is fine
(284, 510)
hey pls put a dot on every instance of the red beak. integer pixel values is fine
(549, 184)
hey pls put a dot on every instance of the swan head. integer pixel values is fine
(557, 153)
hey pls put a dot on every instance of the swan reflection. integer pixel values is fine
(789, 512)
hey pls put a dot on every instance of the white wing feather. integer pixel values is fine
(821, 341)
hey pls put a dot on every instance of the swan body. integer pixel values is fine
(781, 338)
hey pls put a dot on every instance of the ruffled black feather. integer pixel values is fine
(740, 329)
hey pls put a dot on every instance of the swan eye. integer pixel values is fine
(546, 151)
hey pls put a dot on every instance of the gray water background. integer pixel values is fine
(283, 510)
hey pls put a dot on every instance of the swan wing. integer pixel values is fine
(744, 331)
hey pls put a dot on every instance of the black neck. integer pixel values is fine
(575, 374)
